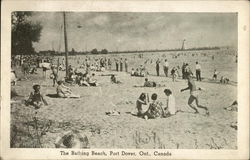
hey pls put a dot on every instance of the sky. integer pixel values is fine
(135, 30)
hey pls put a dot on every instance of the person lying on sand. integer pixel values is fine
(65, 92)
(155, 108)
(194, 95)
(114, 80)
(148, 83)
(36, 99)
(142, 100)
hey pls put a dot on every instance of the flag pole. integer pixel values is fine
(66, 44)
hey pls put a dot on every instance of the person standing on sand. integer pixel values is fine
(183, 70)
(121, 65)
(170, 108)
(198, 71)
(55, 76)
(109, 64)
(165, 67)
(126, 65)
(193, 95)
(116, 65)
(157, 67)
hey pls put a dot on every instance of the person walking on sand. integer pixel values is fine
(193, 95)
(158, 67)
(165, 67)
(198, 71)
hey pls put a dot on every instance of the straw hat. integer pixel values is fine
(71, 139)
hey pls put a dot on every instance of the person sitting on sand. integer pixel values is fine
(170, 105)
(193, 95)
(142, 100)
(64, 92)
(224, 80)
(148, 83)
(92, 80)
(114, 80)
(132, 72)
(136, 72)
(155, 109)
(36, 99)
(84, 81)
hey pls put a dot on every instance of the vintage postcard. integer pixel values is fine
(125, 80)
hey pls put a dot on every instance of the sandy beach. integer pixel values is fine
(184, 130)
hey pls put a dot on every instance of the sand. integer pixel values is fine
(87, 115)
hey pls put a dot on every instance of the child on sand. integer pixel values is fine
(193, 95)
(36, 98)
(215, 74)
(174, 73)
(114, 80)
(142, 100)
(155, 108)
(170, 105)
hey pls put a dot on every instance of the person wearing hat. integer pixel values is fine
(71, 139)
(193, 95)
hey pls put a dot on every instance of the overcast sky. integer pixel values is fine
(135, 31)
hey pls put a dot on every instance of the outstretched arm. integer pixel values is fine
(185, 89)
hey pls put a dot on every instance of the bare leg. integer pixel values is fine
(200, 106)
(190, 101)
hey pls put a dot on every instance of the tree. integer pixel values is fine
(94, 51)
(104, 51)
(23, 33)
